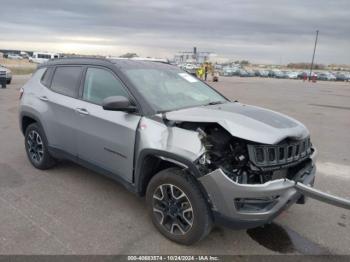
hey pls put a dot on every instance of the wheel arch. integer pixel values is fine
(151, 161)
(27, 119)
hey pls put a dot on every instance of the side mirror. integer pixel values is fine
(118, 103)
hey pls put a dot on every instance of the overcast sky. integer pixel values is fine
(261, 31)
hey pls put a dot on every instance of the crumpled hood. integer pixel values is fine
(244, 121)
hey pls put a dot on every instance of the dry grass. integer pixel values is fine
(18, 67)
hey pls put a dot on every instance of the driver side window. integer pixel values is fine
(100, 84)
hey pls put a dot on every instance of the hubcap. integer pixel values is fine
(172, 209)
(35, 146)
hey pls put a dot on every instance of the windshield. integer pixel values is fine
(168, 89)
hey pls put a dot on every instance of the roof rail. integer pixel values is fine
(161, 60)
(83, 57)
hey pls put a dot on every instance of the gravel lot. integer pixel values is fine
(71, 210)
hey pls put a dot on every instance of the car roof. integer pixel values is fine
(120, 63)
(75, 61)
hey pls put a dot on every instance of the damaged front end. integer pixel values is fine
(250, 183)
(246, 162)
(251, 169)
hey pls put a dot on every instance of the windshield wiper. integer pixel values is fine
(215, 103)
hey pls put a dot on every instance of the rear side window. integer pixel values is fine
(66, 80)
(45, 80)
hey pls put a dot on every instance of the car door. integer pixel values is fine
(105, 139)
(59, 116)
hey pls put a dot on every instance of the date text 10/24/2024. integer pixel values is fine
(173, 258)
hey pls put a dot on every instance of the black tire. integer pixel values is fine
(43, 160)
(9, 81)
(201, 219)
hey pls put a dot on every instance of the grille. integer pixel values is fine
(285, 153)
(2, 73)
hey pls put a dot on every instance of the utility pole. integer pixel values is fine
(313, 56)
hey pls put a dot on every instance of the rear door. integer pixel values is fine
(105, 138)
(60, 116)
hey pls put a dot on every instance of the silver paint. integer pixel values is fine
(244, 121)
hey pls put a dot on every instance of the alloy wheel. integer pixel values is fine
(35, 146)
(172, 209)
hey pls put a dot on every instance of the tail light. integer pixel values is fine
(21, 91)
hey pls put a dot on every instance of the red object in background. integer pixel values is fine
(304, 77)
(314, 78)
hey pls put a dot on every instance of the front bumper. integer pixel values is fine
(249, 205)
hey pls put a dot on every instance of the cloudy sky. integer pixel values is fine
(276, 31)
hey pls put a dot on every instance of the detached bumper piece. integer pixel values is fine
(250, 205)
(323, 197)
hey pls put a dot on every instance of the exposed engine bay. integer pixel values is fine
(234, 156)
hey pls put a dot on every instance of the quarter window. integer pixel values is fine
(45, 80)
(66, 80)
(99, 84)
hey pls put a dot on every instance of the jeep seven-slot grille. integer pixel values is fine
(285, 153)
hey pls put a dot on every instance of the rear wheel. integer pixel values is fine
(37, 147)
(177, 206)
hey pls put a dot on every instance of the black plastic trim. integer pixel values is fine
(58, 153)
(30, 115)
(232, 223)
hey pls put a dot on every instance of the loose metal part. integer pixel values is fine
(321, 196)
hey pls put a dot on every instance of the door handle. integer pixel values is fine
(43, 98)
(82, 111)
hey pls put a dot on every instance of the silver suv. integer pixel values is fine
(199, 159)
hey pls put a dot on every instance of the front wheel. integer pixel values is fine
(177, 206)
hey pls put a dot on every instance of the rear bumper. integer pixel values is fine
(245, 205)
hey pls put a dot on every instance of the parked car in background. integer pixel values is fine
(250, 73)
(347, 75)
(257, 72)
(302, 75)
(314, 75)
(8, 74)
(291, 75)
(243, 73)
(326, 76)
(264, 73)
(305, 74)
(279, 74)
(191, 69)
(342, 77)
(14, 56)
(271, 73)
(229, 71)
